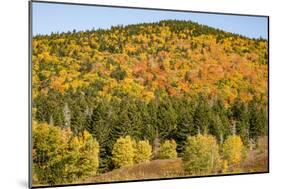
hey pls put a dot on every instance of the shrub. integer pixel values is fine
(123, 152)
(232, 150)
(143, 151)
(168, 150)
(201, 155)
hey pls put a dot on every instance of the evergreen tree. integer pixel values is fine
(167, 119)
(185, 126)
(258, 121)
(240, 114)
(201, 117)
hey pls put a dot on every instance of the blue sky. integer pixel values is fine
(48, 17)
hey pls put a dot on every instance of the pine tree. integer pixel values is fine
(258, 121)
(167, 119)
(99, 125)
(201, 117)
(240, 114)
(217, 128)
(185, 126)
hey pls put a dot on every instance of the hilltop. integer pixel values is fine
(171, 57)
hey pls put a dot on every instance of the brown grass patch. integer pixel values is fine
(151, 170)
(255, 161)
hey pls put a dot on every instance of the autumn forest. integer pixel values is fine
(146, 101)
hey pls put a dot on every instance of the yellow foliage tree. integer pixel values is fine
(201, 155)
(123, 152)
(60, 157)
(168, 150)
(232, 150)
(143, 151)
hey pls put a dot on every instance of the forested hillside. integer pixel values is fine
(154, 82)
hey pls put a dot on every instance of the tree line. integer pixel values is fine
(60, 156)
(156, 121)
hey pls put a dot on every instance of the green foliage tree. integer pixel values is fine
(219, 124)
(118, 74)
(167, 118)
(258, 119)
(216, 128)
(168, 150)
(185, 126)
(99, 123)
(201, 117)
(201, 155)
(241, 115)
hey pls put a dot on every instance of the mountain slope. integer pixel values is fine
(171, 58)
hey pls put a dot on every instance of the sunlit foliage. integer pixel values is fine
(123, 152)
(168, 150)
(143, 152)
(60, 157)
(201, 155)
(232, 150)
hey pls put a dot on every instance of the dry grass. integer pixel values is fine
(255, 161)
(151, 170)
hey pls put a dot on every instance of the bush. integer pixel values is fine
(143, 151)
(168, 150)
(232, 150)
(123, 152)
(201, 155)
